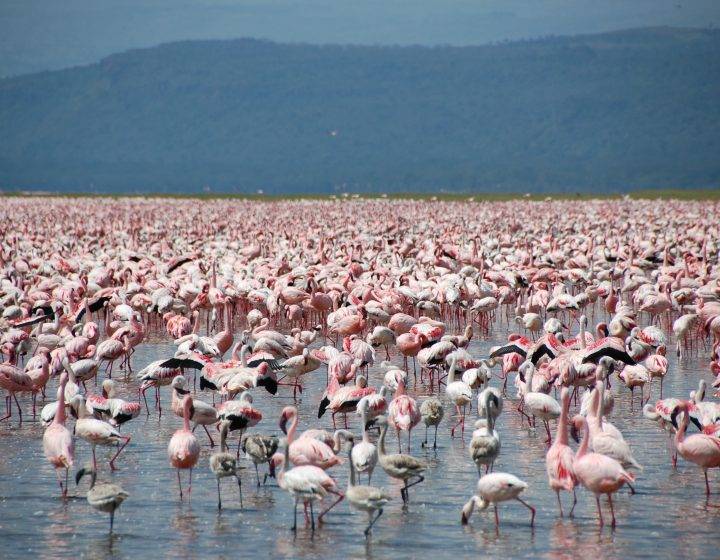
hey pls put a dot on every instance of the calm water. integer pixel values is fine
(667, 516)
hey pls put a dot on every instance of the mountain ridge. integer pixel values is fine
(618, 110)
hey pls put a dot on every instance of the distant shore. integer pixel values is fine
(665, 194)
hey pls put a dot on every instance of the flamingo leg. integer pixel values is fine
(369, 527)
(557, 492)
(612, 510)
(312, 518)
(112, 461)
(707, 483)
(341, 497)
(532, 510)
(179, 484)
(600, 517)
(574, 503)
(239, 489)
(218, 490)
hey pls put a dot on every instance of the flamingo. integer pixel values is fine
(492, 489)
(58, 443)
(460, 394)
(103, 497)
(403, 412)
(224, 464)
(305, 450)
(260, 449)
(560, 459)
(184, 449)
(96, 432)
(701, 449)
(598, 473)
(485, 442)
(364, 455)
(541, 405)
(431, 413)
(365, 498)
(399, 465)
(306, 483)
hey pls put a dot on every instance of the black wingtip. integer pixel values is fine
(270, 384)
(205, 384)
(323, 407)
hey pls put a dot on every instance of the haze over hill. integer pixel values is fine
(606, 112)
(40, 35)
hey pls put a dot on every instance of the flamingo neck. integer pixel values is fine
(186, 415)
(223, 438)
(680, 435)
(583, 449)
(351, 481)
(363, 419)
(292, 429)
(451, 373)
(60, 412)
(227, 317)
(562, 433)
(381, 441)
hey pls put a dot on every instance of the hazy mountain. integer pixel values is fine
(50, 34)
(606, 112)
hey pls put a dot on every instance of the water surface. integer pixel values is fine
(667, 517)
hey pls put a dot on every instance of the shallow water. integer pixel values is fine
(667, 517)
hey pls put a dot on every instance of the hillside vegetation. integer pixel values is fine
(601, 113)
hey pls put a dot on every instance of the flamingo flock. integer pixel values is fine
(256, 299)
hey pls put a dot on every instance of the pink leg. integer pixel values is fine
(340, 495)
(112, 461)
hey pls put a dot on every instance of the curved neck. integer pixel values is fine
(583, 449)
(60, 412)
(562, 433)
(292, 429)
(363, 419)
(451, 373)
(529, 379)
(223, 437)
(227, 317)
(381, 441)
(186, 415)
(680, 435)
(351, 482)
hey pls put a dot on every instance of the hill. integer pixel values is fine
(608, 112)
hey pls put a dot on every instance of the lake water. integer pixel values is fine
(668, 517)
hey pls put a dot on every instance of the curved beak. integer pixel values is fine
(79, 475)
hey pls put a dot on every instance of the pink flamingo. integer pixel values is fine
(598, 473)
(409, 344)
(306, 483)
(403, 412)
(224, 338)
(57, 440)
(14, 381)
(560, 458)
(701, 449)
(184, 449)
(306, 450)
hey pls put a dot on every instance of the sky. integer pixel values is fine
(38, 35)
